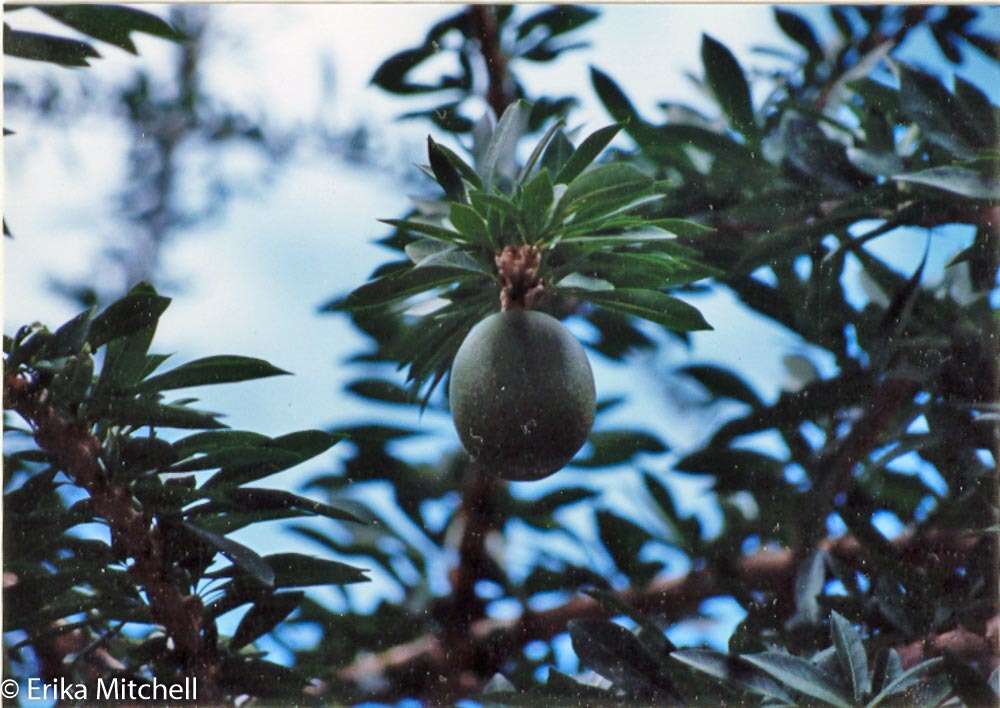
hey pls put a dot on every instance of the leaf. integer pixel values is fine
(557, 20)
(392, 288)
(111, 23)
(44, 47)
(258, 499)
(140, 412)
(588, 151)
(263, 616)
(454, 258)
(583, 282)
(800, 675)
(722, 383)
(624, 541)
(928, 104)
(980, 112)
(216, 440)
(964, 181)
(70, 337)
(499, 152)
(470, 224)
(731, 669)
(141, 308)
(809, 581)
(617, 655)
(391, 74)
(851, 655)
(726, 80)
(245, 559)
(648, 304)
(425, 228)
(298, 570)
(466, 170)
(276, 455)
(446, 172)
(904, 680)
(967, 683)
(602, 180)
(613, 447)
(380, 390)
(800, 32)
(210, 371)
(536, 202)
(557, 154)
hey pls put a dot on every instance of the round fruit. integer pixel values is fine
(522, 394)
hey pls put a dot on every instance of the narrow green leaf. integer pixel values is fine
(499, 153)
(47, 48)
(649, 304)
(800, 32)
(800, 675)
(470, 224)
(613, 447)
(256, 498)
(732, 669)
(141, 412)
(446, 173)
(536, 203)
(602, 178)
(425, 228)
(141, 308)
(210, 371)
(929, 104)
(392, 288)
(111, 23)
(391, 74)
(617, 655)
(726, 80)
(588, 151)
(722, 383)
(70, 337)
(904, 680)
(296, 570)
(851, 655)
(557, 154)
(540, 148)
(263, 616)
(964, 181)
(454, 258)
(245, 559)
(215, 440)
(464, 168)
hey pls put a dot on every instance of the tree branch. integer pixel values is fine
(425, 663)
(484, 23)
(76, 451)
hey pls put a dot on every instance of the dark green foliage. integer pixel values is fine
(788, 204)
(538, 37)
(113, 24)
(97, 373)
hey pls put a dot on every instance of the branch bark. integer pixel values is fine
(427, 662)
(76, 451)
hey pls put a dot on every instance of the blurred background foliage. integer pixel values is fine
(831, 539)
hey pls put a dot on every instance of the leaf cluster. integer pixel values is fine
(194, 490)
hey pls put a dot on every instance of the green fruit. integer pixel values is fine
(521, 394)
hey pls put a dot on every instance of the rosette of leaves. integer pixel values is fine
(580, 226)
(108, 445)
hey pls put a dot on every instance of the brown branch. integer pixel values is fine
(484, 23)
(425, 663)
(77, 452)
